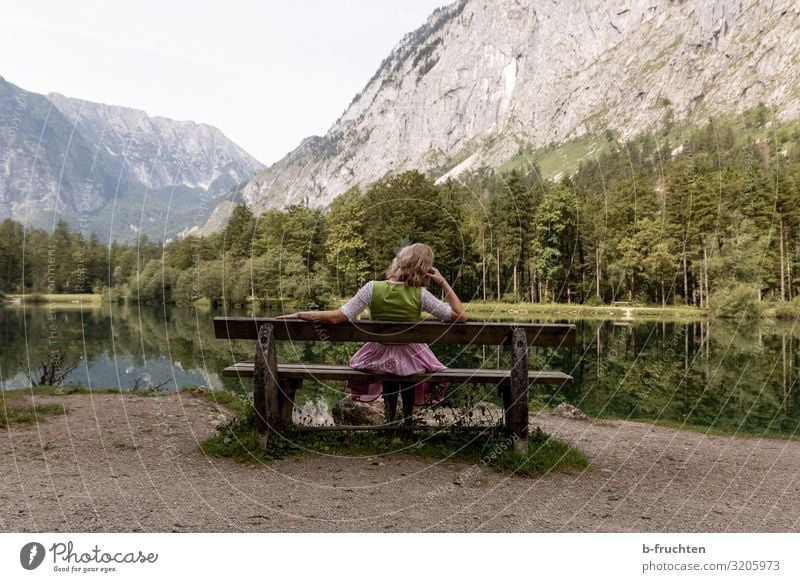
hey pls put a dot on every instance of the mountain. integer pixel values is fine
(110, 169)
(482, 82)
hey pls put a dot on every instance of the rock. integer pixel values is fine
(71, 168)
(350, 412)
(312, 413)
(568, 411)
(482, 414)
(479, 80)
(220, 420)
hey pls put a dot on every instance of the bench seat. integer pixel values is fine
(332, 372)
(275, 385)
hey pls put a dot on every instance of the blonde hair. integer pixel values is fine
(411, 265)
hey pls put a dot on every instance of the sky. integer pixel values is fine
(268, 73)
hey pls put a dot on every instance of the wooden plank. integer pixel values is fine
(516, 401)
(430, 332)
(265, 382)
(332, 372)
(399, 428)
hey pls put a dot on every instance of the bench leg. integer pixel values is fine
(266, 391)
(515, 392)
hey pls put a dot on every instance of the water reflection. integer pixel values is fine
(726, 375)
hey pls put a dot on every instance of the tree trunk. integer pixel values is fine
(783, 267)
(685, 281)
(705, 272)
(700, 298)
(483, 262)
(515, 282)
(597, 271)
(533, 282)
(785, 369)
(498, 273)
(789, 293)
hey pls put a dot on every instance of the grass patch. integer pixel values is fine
(562, 159)
(489, 447)
(224, 398)
(13, 411)
(510, 311)
(93, 299)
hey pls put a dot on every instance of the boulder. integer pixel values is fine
(352, 413)
(568, 411)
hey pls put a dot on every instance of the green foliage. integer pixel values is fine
(239, 232)
(154, 284)
(739, 301)
(788, 309)
(345, 246)
(594, 301)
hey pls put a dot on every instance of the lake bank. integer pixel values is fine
(54, 299)
(621, 311)
(477, 309)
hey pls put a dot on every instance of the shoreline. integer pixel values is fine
(494, 309)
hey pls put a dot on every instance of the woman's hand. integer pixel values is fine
(436, 276)
(459, 314)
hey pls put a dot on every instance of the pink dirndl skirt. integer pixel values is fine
(398, 359)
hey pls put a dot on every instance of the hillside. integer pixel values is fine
(480, 84)
(109, 169)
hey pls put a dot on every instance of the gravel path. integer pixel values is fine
(129, 463)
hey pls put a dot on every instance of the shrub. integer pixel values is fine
(154, 283)
(788, 309)
(740, 301)
(595, 301)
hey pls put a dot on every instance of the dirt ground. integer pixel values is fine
(119, 463)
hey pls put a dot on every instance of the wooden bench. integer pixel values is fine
(275, 385)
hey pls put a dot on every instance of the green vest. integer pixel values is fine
(395, 302)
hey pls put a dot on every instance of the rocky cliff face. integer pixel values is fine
(67, 157)
(481, 79)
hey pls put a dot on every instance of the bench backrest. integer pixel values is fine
(429, 332)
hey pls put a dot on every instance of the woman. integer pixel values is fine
(403, 296)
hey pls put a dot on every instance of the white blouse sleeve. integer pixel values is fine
(436, 307)
(359, 302)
